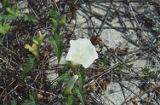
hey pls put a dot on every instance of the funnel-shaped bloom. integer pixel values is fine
(82, 52)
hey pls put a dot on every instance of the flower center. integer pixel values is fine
(77, 58)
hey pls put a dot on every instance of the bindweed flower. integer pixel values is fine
(82, 52)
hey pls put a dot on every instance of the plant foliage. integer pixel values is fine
(13, 102)
(4, 3)
(103, 62)
(31, 100)
(29, 17)
(77, 90)
(124, 66)
(1, 41)
(11, 13)
(34, 49)
(28, 66)
(4, 27)
(147, 72)
(57, 39)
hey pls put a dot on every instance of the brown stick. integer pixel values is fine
(6, 88)
(150, 89)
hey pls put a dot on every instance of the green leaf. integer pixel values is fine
(13, 11)
(151, 74)
(81, 76)
(103, 62)
(7, 17)
(67, 66)
(61, 96)
(129, 66)
(4, 28)
(57, 39)
(38, 39)
(28, 66)
(28, 17)
(70, 84)
(1, 16)
(57, 45)
(54, 24)
(13, 17)
(13, 102)
(62, 20)
(31, 100)
(53, 14)
(120, 67)
(57, 21)
(1, 41)
(145, 71)
(79, 90)
(75, 0)
(4, 3)
(69, 100)
(32, 96)
(80, 96)
(64, 77)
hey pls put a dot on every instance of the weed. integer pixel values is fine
(57, 39)
(30, 101)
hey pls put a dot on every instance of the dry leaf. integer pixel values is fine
(20, 88)
(88, 72)
(103, 83)
(46, 53)
(135, 102)
(111, 50)
(50, 97)
(158, 90)
(40, 96)
(93, 85)
(122, 51)
(96, 40)
(41, 86)
(88, 89)
(144, 100)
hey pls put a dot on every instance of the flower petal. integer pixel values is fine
(82, 52)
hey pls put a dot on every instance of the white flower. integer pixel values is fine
(82, 52)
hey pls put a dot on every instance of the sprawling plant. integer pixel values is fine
(81, 52)
(57, 39)
(9, 14)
